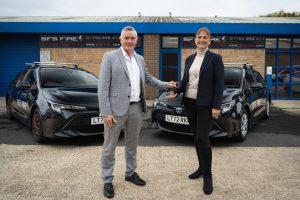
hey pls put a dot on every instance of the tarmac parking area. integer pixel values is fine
(265, 166)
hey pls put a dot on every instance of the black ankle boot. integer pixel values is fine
(197, 174)
(207, 185)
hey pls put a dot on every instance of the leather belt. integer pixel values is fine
(133, 102)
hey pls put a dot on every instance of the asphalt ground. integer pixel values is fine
(265, 166)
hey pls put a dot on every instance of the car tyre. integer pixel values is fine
(8, 111)
(37, 126)
(244, 125)
(267, 111)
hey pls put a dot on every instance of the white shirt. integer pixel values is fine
(134, 76)
(194, 74)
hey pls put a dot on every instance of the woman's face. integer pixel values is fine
(202, 40)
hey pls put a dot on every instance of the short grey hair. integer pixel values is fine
(128, 28)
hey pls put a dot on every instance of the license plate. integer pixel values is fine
(176, 119)
(96, 120)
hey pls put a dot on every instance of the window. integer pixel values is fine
(284, 59)
(284, 43)
(29, 77)
(20, 76)
(259, 78)
(270, 43)
(67, 78)
(170, 42)
(296, 43)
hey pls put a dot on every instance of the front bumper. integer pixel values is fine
(224, 126)
(71, 124)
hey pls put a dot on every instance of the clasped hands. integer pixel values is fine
(171, 94)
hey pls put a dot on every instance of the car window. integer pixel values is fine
(297, 74)
(29, 77)
(232, 77)
(259, 78)
(67, 78)
(20, 76)
(250, 77)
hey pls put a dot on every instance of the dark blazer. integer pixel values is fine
(211, 80)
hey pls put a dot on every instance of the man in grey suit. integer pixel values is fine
(121, 93)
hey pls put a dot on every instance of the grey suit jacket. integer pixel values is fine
(114, 83)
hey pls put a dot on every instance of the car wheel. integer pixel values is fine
(243, 130)
(8, 111)
(267, 110)
(37, 127)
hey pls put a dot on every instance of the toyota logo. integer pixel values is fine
(178, 110)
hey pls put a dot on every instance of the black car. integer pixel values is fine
(55, 100)
(246, 99)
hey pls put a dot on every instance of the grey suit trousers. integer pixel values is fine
(131, 121)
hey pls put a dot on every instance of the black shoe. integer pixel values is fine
(197, 174)
(135, 179)
(207, 185)
(108, 190)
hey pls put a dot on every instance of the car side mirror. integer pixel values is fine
(256, 85)
(25, 85)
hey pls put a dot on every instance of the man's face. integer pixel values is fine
(128, 41)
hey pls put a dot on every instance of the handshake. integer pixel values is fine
(173, 89)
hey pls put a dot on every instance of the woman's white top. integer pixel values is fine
(194, 74)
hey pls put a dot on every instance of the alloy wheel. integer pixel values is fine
(37, 129)
(244, 124)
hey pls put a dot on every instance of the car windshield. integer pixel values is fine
(67, 78)
(232, 77)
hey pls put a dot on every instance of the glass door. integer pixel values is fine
(169, 65)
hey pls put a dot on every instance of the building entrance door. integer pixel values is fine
(170, 65)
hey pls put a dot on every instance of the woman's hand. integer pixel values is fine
(171, 95)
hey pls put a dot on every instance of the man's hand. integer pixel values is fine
(109, 120)
(171, 84)
(215, 113)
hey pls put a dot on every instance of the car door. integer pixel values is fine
(25, 95)
(30, 89)
(16, 95)
(254, 96)
(263, 92)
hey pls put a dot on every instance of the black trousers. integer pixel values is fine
(200, 119)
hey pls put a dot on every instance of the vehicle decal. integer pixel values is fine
(22, 104)
(256, 104)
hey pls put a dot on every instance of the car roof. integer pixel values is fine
(50, 65)
(239, 65)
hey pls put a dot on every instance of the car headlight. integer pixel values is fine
(157, 103)
(227, 106)
(57, 107)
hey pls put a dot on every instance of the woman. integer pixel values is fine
(202, 87)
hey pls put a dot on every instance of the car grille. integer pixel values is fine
(159, 117)
(81, 124)
(175, 127)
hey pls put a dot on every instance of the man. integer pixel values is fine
(121, 96)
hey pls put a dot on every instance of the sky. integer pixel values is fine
(207, 8)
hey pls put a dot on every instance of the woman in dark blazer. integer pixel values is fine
(202, 88)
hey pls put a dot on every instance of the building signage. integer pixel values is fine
(229, 42)
(82, 41)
